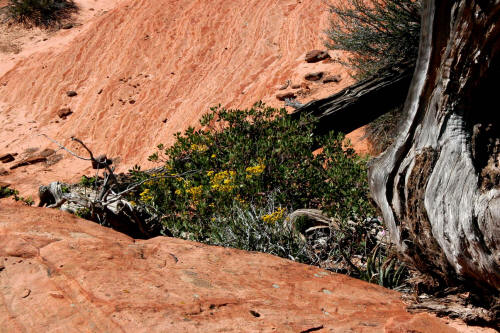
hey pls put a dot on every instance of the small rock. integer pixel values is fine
(286, 95)
(99, 92)
(326, 291)
(164, 120)
(71, 93)
(3, 172)
(132, 101)
(26, 292)
(316, 55)
(332, 78)
(255, 313)
(285, 85)
(64, 112)
(316, 76)
(7, 158)
(67, 26)
(296, 86)
(56, 295)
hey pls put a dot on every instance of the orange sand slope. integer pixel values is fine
(147, 69)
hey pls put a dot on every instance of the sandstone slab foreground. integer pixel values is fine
(59, 273)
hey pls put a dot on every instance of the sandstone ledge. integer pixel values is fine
(59, 272)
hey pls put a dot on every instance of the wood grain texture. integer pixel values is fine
(437, 186)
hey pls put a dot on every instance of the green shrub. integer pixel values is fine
(88, 181)
(382, 269)
(6, 192)
(376, 33)
(241, 158)
(40, 12)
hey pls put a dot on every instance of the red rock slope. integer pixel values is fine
(60, 273)
(147, 69)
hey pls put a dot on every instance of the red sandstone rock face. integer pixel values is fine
(58, 273)
(140, 62)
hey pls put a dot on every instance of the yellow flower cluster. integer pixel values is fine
(195, 192)
(154, 175)
(223, 181)
(199, 148)
(254, 170)
(146, 196)
(274, 216)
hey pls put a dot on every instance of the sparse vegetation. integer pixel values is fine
(376, 33)
(87, 181)
(40, 12)
(252, 228)
(6, 192)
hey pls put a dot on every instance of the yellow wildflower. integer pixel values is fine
(274, 216)
(199, 148)
(223, 181)
(195, 192)
(254, 170)
(146, 195)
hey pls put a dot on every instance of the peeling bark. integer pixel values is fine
(438, 184)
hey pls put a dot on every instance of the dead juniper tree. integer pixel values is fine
(438, 185)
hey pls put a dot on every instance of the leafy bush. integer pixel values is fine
(376, 33)
(244, 156)
(6, 192)
(88, 181)
(40, 12)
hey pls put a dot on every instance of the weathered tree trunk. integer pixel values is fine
(438, 185)
(361, 103)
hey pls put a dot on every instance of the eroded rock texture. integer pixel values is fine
(60, 273)
(438, 185)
